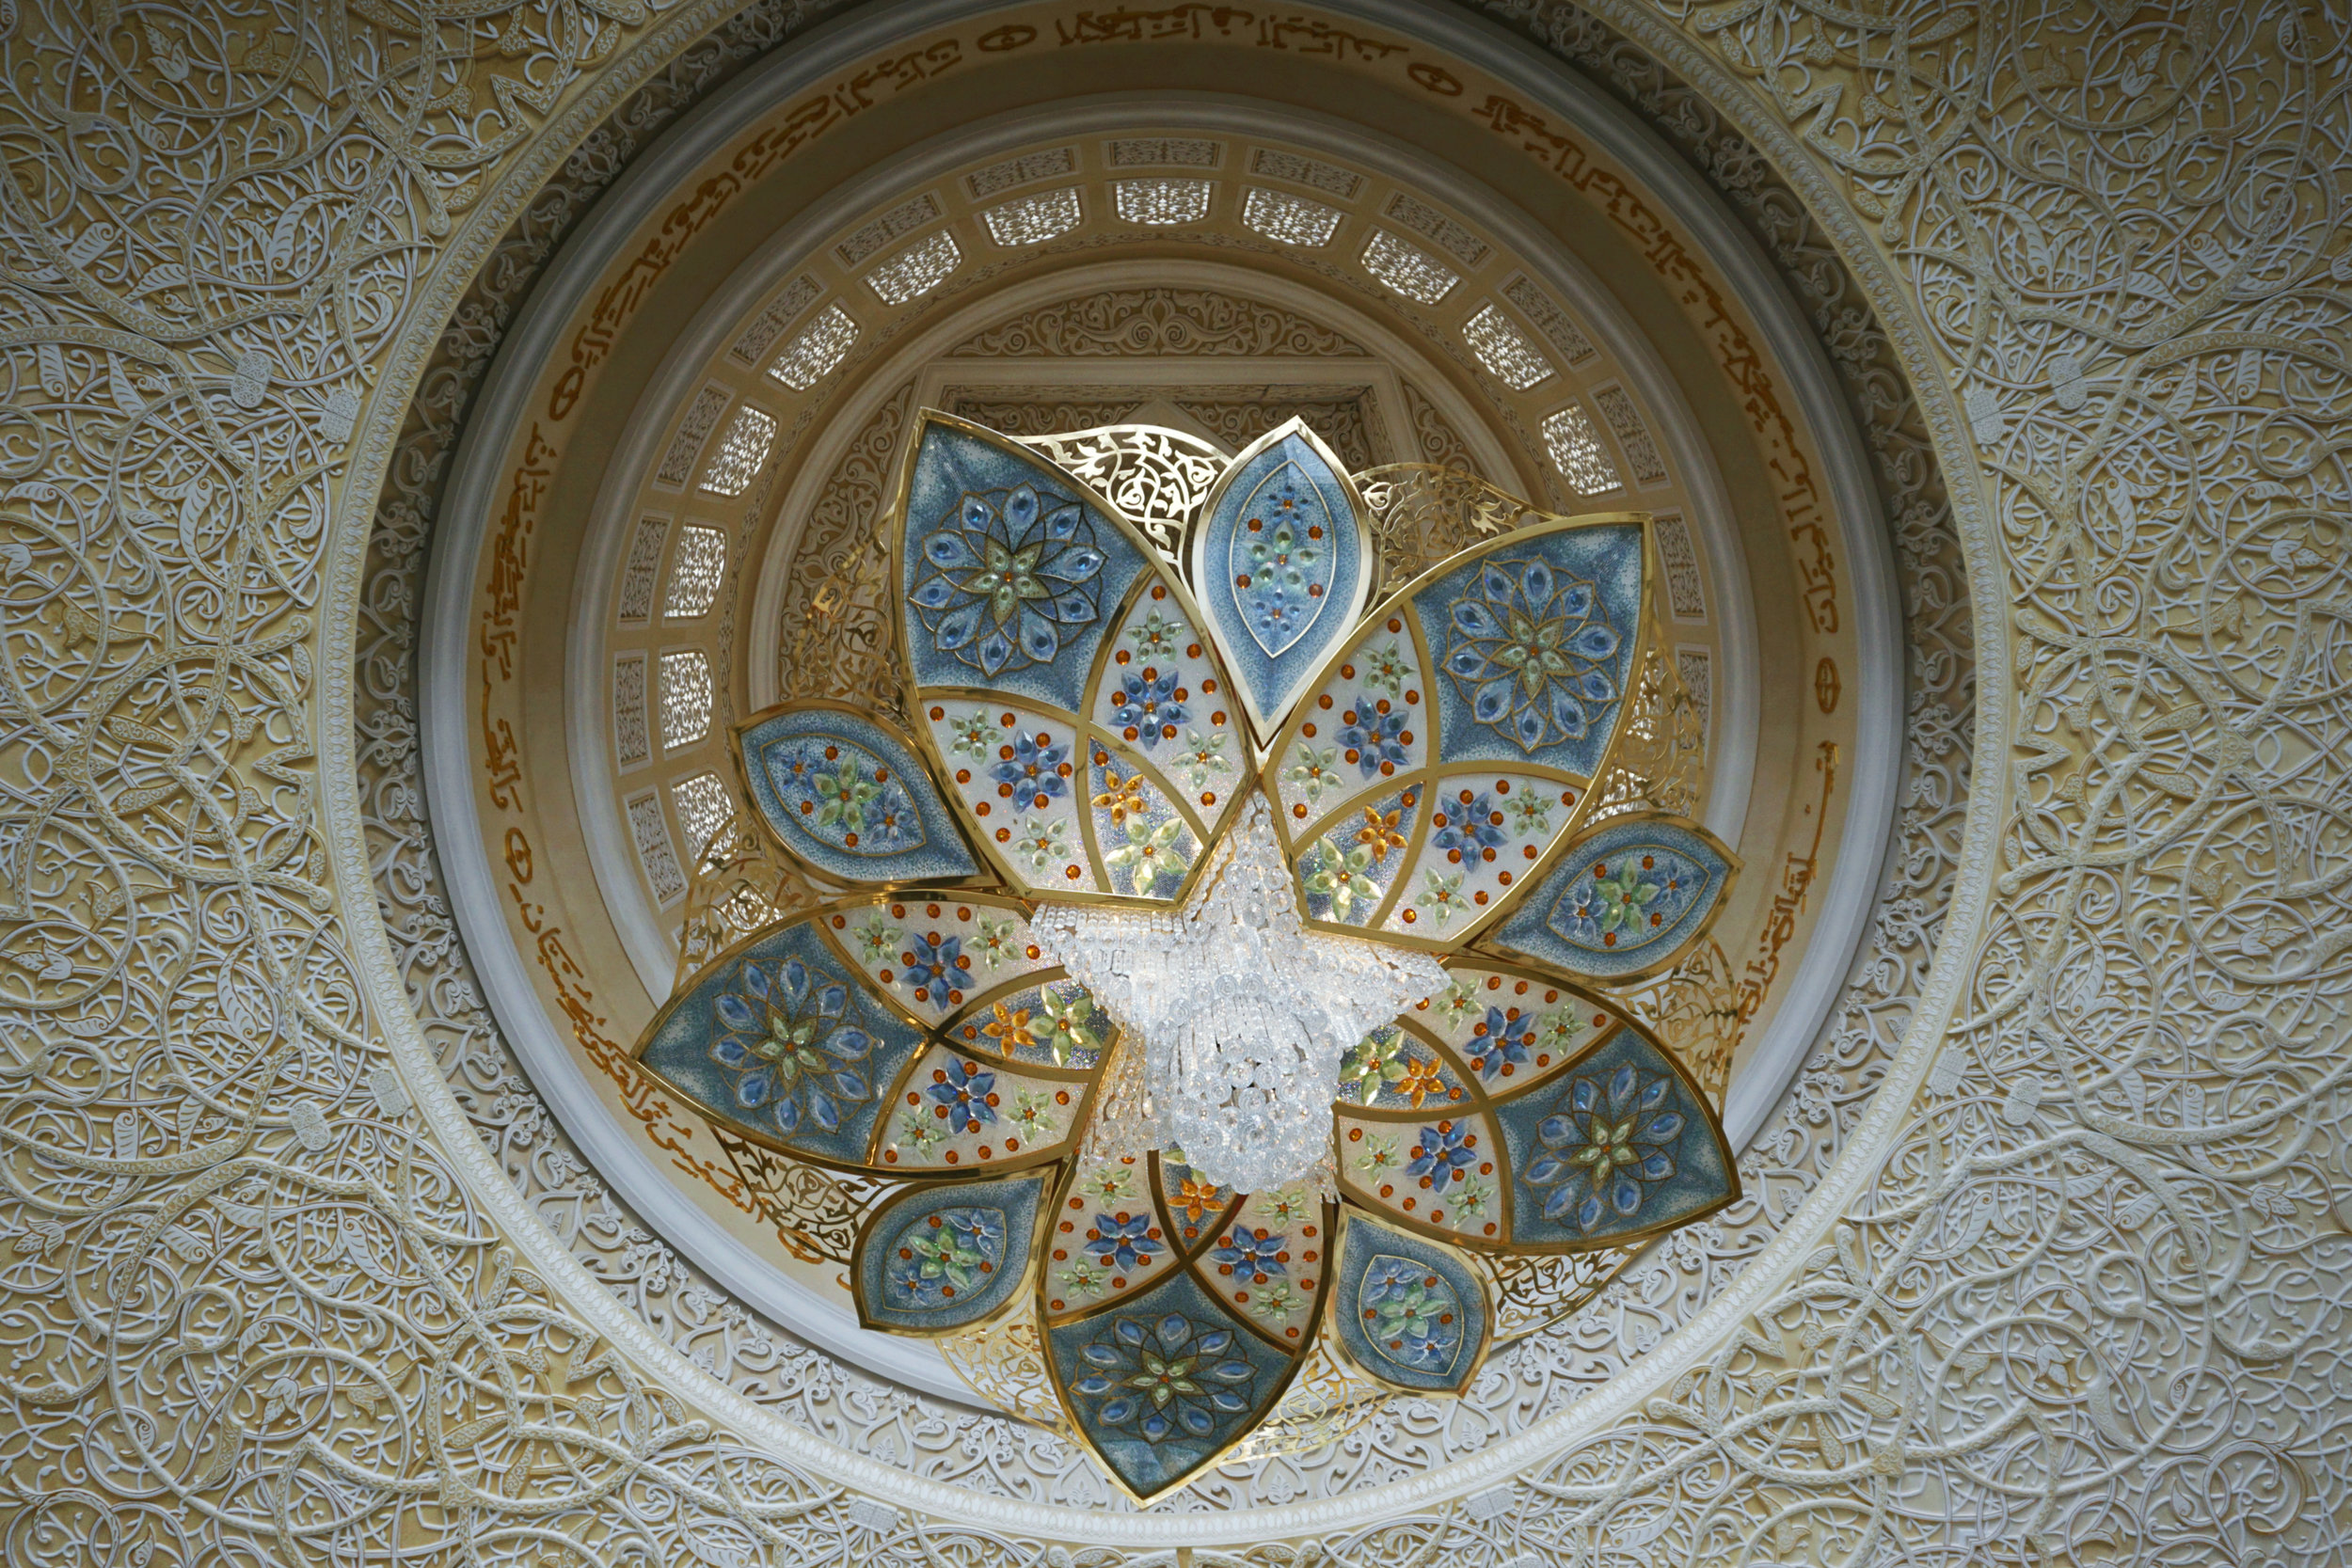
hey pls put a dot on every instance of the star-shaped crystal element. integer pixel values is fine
(1244, 1013)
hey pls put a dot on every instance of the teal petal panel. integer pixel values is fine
(1281, 563)
(1618, 1145)
(847, 796)
(783, 1039)
(1408, 1311)
(1625, 900)
(945, 1256)
(1163, 1382)
(1009, 572)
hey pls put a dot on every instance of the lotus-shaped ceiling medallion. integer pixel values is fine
(1223, 942)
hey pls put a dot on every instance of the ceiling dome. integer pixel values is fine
(677, 483)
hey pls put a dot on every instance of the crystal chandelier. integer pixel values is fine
(1243, 1012)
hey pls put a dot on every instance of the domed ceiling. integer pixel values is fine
(1818, 1094)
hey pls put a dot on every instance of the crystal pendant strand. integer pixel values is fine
(1243, 1014)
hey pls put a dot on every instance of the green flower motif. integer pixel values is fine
(920, 1133)
(1386, 667)
(1111, 1184)
(1338, 875)
(945, 1252)
(1377, 1059)
(1560, 1030)
(1151, 856)
(1202, 758)
(995, 943)
(976, 735)
(1288, 1206)
(1069, 1025)
(844, 795)
(1623, 896)
(1157, 637)
(1083, 1279)
(1315, 773)
(1274, 1302)
(1378, 1154)
(877, 938)
(1033, 1113)
(1472, 1198)
(1529, 812)
(1456, 1003)
(1443, 897)
(1044, 842)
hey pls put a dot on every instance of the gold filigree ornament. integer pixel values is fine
(1214, 1004)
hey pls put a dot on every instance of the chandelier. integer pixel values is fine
(1218, 956)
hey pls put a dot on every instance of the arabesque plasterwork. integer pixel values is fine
(2120, 1175)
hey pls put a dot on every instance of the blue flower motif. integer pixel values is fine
(934, 968)
(1149, 706)
(1121, 1240)
(965, 1093)
(1372, 736)
(892, 821)
(1612, 1140)
(1032, 771)
(794, 1043)
(1471, 824)
(1443, 1153)
(1527, 648)
(1164, 1377)
(1254, 1255)
(1011, 571)
(1501, 1042)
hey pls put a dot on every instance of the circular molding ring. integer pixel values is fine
(467, 511)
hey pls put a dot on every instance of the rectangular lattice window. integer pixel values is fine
(1034, 219)
(1310, 172)
(630, 743)
(655, 852)
(876, 233)
(686, 696)
(678, 463)
(1685, 592)
(1550, 319)
(1419, 277)
(1162, 203)
(782, 311)
(741, 453)
(917, 270)
(1434, 225)
(1624, 423)
(1024, 170)
(1162, 152)
(1505, 350)
(704, 807)
(1576, 453)
(816, 349)
(643, 568)
(696, 569)
(1289, 219)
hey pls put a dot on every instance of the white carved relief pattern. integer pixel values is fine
(2091, 1299)
(2096, 1317)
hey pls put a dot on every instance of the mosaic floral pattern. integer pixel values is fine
(1531, 649)
(794, 1045)
(1282, 565)
(1164, 1376)
(1174, 1308)
(1010, 570)
(1610, 1143)
(849, 797)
